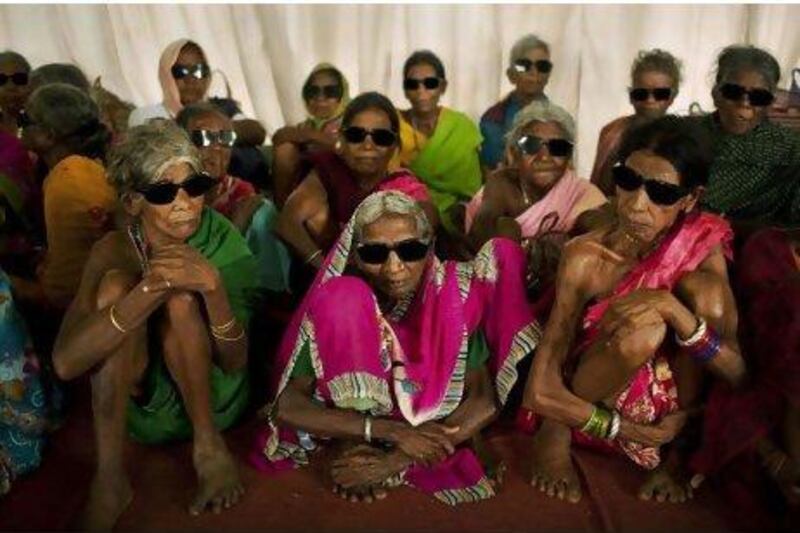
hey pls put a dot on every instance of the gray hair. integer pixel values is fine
(738, 58)
(541, 111)
(524, 45)
(16, 58)
(390, 203)
(147, 152)
(59, 73)
(657, 60)
(71, 116)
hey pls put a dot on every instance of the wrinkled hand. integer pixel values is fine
(663, 432)
(427, 444)
(634, 311)
(364, 465)
(181, 267)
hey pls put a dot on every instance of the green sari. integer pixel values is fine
(161, 416)
(448, 163)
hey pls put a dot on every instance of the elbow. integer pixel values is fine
(63, 369)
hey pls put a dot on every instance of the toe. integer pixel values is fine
(574, 493)
(380, 494)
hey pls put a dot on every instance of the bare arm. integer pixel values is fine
(477, 410)
(493, 208)
(306, 201)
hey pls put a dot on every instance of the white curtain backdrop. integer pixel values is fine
(267, 50)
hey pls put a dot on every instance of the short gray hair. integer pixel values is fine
(390, 203)
(541, 111)
(147, 152)
(524, 45)
(59, 73)
(16, 58)
(738, 58)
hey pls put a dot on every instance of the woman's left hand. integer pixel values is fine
(640, 308)
(181, 267)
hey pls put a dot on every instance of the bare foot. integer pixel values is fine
(218, 480)
(665, 484)
(109, 496)
(361, 494)
(552, 471)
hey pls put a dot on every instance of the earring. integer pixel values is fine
(338, 147)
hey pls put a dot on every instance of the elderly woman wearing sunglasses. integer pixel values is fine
(326, 94)
(425, 359)
(185, 76)
(655, 79)
(529, 71)
(538, 193)
(755, 178)
(643, 309)
(160, 320)
(438, 144)
(317, 211)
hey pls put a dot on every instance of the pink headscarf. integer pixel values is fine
(172, 98)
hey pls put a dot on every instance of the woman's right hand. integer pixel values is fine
(427, 444)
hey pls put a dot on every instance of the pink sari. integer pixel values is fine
(408, 364)
(651, 393)
(230, 193)
(561, 200)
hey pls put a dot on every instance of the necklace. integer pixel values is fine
(137, 238)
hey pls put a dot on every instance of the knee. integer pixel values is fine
(114, 285)
(286, 153)
(636, 348)
(346, 294)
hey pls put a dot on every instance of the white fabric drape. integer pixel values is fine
(267, 50)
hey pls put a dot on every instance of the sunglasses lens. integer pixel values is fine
(354, 135)
(179, 72)
(200, 138)
(523, 65)
(664, 193)
(227, 138)
(161, 194)
(731, 91)
(333, 92)
(373, 254)
(761, 97)
(529, 144)
(410, 84)
(383, 137)
(311, 92)
(544, 66)
(410, 251)
(198, 185)
(662, 93)
(20, 78)
(431, 83)
(626, 179)
(559, 147)
(638, 95)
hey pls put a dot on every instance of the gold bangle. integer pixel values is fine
(225, 327)
(114, 321)
(227, 339)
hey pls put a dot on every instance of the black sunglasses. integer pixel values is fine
(659, 192)
(380, 136)
(198, 71)
(328, 92)
(205, 138)
(18, 78)
(757, 97)
(164, 193)
(409, 251)
(660, 94)
(413, 84)
(524, 65)
(530, 145)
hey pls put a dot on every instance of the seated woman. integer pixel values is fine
(760, 424)
(438, 144)
(317, 211)
(655, 80)
(160, 316)
(326, 94)
(529, 68)
(61, 125)
(608, 366)
(755, 178)
(15, 88)
(424, 362)
(537, 194)
(185, 75)
(211, 131)
(26, 404)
